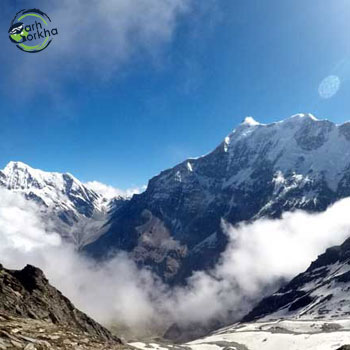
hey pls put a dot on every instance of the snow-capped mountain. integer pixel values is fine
(258, 170)
(72, 209)
(321, 292)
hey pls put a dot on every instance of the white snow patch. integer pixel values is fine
(250, 121)
(291, 335)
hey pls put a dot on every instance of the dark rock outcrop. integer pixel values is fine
(27, 294)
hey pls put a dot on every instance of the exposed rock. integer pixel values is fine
(27, 299)
(28, 334)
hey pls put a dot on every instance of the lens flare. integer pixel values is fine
(329, 86)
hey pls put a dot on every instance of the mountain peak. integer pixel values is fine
(15, 165)
(15, 169)
(77, 212)
(250, 121)
(304, 116)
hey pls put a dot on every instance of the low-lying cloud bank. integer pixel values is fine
(258, 256)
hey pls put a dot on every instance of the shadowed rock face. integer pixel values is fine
(27, 294)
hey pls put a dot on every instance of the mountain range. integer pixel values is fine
(259, 170)
(75, 211)
(175, 225)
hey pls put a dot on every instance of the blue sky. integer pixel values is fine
(130, 88)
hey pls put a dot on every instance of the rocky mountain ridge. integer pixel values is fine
(76, 212)
(31, 307)
(257, 171)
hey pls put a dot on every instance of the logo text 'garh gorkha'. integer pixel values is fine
(32, 31)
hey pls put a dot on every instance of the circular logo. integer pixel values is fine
(32, 31)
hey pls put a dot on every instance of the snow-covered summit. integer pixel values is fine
(250, 121)
(301, 143)
(51, 187)
(77, 211)
(20, 176)
(303, 116)
(12, 165)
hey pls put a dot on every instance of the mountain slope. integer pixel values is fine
(27, 294)
(75, 211)
(310, 312)
(25, 333)
(321, 292)
(258, 170)
(291, 335)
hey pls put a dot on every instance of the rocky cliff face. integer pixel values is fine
(29, 303)
(258, 170)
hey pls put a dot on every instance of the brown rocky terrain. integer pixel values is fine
(33, 334)
(34, 315)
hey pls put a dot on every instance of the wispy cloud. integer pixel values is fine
(98, 42)
(100, 37)
(110, 192)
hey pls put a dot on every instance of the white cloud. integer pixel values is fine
(21, 225)
(110, 192)
(115, 292)
(257, 257)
